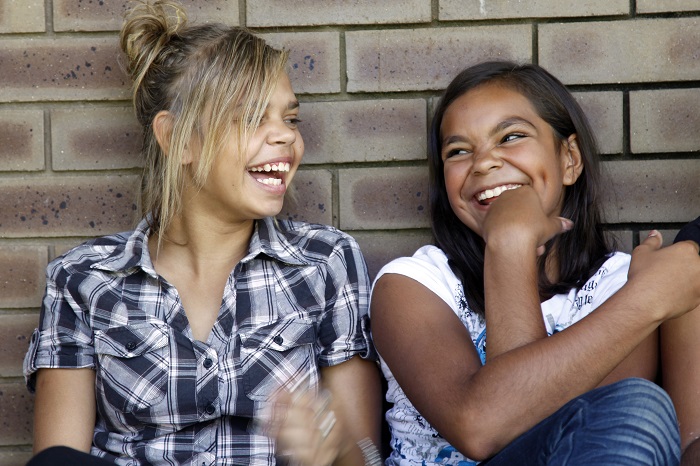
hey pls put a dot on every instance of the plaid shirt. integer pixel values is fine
(298, 301)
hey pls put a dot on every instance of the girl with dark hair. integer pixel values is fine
(520, 250)
(213, 333)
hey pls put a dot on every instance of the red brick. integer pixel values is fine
(310, 197)
(314, 60)
(265, 13)
(95, 138)
(94, 15)
(22, 16)
(364, 130)
(665, 120)
(640, 50)
(22, 140)
(16, 413)
(82, 68)
(379, 248)
(651, 190)
(68, 206)
(461, 9)
(15, 333)
(22, 275)
(671, 6)
(604, 111)
(381, 198)
(424, 59)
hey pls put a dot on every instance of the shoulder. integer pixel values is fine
(81, 258)
(427, 258)
(428, 266)
(316, 242)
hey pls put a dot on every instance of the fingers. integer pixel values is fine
(305, 428)
(653, 241)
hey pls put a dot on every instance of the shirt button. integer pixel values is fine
(131, 345)
(208, 363)
(210, 409)
(278, 339)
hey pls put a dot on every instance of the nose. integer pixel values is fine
(485, 161)
(281, 134)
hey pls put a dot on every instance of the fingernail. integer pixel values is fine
(653, 233)
(566, 224)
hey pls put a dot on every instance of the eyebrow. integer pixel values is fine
(507, 123)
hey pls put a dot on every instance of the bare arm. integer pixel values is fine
(64, 408)
(357, 401)
(421, 339)
(680, 353)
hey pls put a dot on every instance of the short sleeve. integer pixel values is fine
(64, 337)
(344, 327)
(429, 267)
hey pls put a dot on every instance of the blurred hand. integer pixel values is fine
(305, 428)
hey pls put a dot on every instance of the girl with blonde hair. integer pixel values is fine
(213, 333)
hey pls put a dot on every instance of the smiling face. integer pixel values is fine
(493, 140)
(243, 188)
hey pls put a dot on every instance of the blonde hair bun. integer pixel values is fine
(148, 27)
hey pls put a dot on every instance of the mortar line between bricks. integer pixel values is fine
(47, 142)
(242, 13)
(535, 44)
(343, 65)
(48, 12)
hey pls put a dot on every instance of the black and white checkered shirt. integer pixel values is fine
(297, 302)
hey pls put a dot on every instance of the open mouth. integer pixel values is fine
(489, 195)
(270, 174)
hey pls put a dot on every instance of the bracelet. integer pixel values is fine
(370, 452)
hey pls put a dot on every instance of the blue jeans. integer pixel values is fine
(630, 422)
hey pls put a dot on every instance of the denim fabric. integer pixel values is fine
(631, 422)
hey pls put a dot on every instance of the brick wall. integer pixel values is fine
(367, 73)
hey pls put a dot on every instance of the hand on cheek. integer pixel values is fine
(517, 218)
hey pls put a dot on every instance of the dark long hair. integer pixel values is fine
(580, 251)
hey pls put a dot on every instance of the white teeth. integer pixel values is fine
(495, 192)
(270, 181)
(275, 167)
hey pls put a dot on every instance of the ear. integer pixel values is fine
(163, 131)
(571, 160)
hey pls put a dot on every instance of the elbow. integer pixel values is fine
(479, 441)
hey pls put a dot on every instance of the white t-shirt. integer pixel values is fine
(413, 440)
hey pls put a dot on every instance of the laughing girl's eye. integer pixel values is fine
(292, 122)
(512, 137)
(453, 152)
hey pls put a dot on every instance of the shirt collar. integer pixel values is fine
(273, 239)
(132, 254)
(269, 238)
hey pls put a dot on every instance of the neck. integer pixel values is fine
(200, 243)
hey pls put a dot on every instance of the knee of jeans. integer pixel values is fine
(643, 400)
(643, 390)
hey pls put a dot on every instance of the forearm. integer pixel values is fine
(540, 377)
(513, 309)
